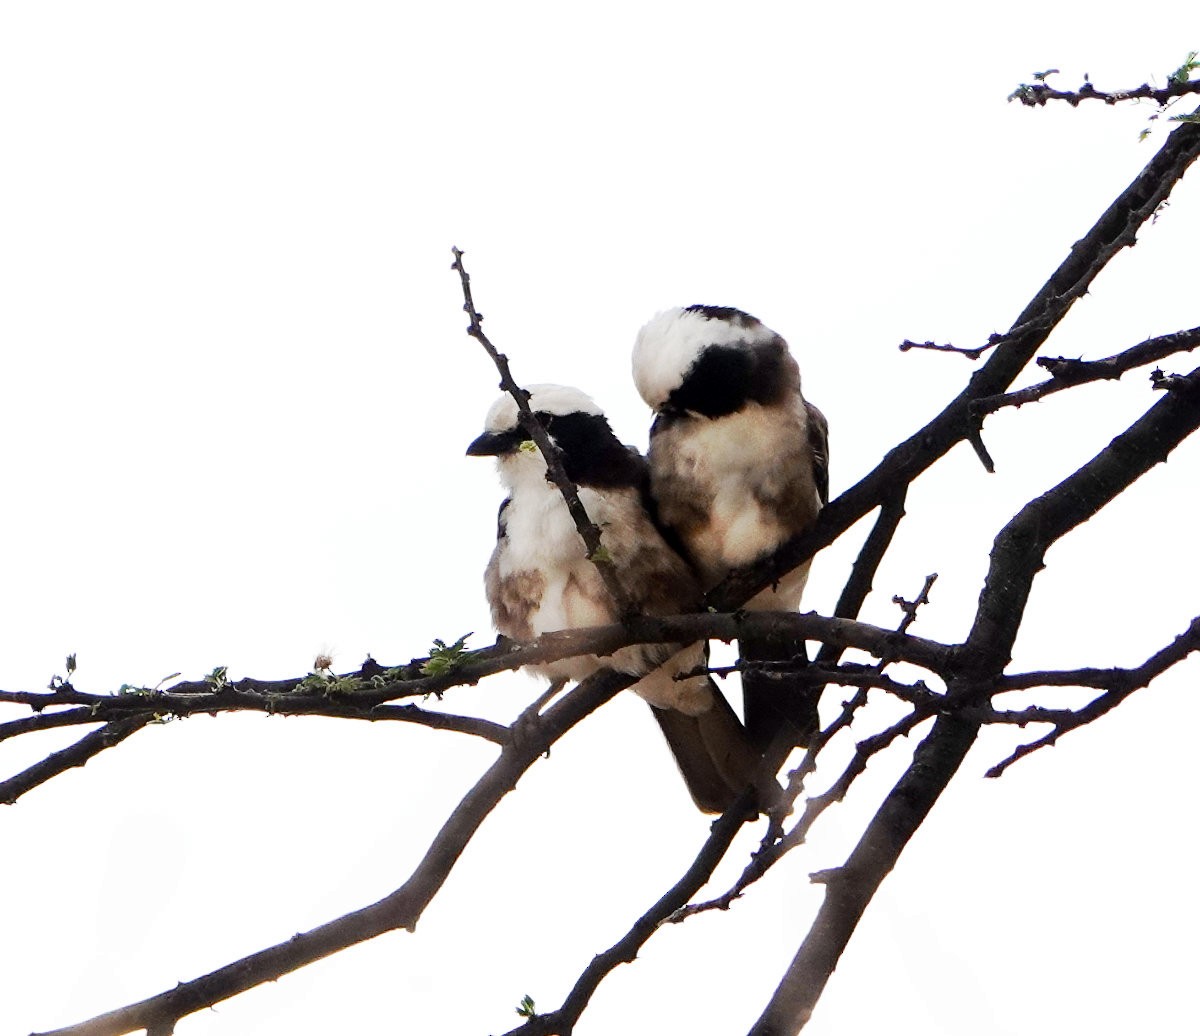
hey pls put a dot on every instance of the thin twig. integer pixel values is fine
(970, 354)
(910, 608)
(1066, 373)
(812, 675)
(550, 451)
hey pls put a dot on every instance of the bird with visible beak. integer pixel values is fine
(539, 579)
(739, 464)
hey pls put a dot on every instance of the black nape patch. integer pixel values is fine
(592, 455)
(736, 317)
(726, 377)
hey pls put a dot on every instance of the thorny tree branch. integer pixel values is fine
(972, 671)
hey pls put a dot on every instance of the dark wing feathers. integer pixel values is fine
(818, 442)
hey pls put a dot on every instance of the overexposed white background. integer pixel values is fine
(236, 396)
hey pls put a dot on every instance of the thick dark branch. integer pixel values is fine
(553, 456)
(1116, 229)
(86, 748)
(1033, 95)
(401, 909)
(1121, 683)
(47, 721)
(1066, 373)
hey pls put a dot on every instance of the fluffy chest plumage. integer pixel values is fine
(541, 541)
(735, 487)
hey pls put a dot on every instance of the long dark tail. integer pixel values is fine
(713, 753)
(776, 702)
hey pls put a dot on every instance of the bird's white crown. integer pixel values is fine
(559, 400)
(669, 344)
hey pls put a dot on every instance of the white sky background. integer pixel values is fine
(236, 396)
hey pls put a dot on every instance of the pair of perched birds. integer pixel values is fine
(737, 465)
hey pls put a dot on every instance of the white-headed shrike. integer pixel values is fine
(739, 464)
(540, 580)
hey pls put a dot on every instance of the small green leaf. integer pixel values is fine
(600, 556)
(1184, 72)
(526, 1008)
(443, 657)
(528, 446)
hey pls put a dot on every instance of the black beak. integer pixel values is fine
(493, 444)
